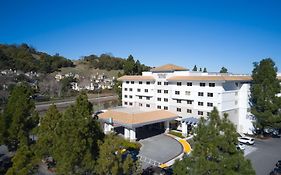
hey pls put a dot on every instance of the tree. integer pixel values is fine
(110, 159)
(223, 70)
(265, 105)
(129, 66)
(23, 163)
(75, 137)
(194, 68)
(214, 150)
(205, 70)
(19, 117)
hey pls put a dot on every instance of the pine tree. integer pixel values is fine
(19, 117)
(223, 70)
(214, 150)
(194, 68)
(265, 105)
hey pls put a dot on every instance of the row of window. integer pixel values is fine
(199, 103)
(208, 94)
(190, 111)
(165, 99)
(164, 107)
(200, 84)
(178, 83)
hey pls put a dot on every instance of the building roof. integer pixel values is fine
(134, 117)
(211, 78)
(135, 77)
(168, 67)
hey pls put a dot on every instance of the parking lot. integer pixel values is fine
(264, 154)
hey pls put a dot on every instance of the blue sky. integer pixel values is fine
(209, 34)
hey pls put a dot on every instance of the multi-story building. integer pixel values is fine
(190, 94)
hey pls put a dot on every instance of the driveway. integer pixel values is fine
(265, 156)
(158, 149)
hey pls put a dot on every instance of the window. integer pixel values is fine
(166, 83)
(146, 90)
(187, 92)
(189, 111)
(140, 97)
(148, 82)
(178, 109)
(165, 91)
(165, 107)
(127, 82)
(210, 104)
(158, 91)
(177, 92)
(125, 103)
(158, 107)
(200, 112)
(165, 99)
(131, 104)
(202, 84)
(130, 96)
(126, 96)
(147, 98)
(200, 103)
(178, 101)
(126, 89)
(200, 94)
(158, 99)
(178, 83)
(147, 105)
(132, 82)
(139, 90)
(189, 102)
(208, 113)
(140, 82)
(189, 84)
(140, 104)
(210, 94)
(212, 84)
(159, 83)
(130, 89)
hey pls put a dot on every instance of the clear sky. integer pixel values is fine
(209, 34)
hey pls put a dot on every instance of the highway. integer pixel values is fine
(64, 104)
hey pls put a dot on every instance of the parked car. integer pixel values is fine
(240, 146)
(275, 133)
(278, 164)
(276, 171)
(246, 140)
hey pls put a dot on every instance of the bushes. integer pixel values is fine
(177, 134)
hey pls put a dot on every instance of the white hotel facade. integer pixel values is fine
(190, 94)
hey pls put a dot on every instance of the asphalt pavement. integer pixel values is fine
(265, 156)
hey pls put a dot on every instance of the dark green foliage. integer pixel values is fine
(214, 150)
(25, 58)
(71, 139)
(19, 117)
(110, 160)
(265, 86)
(223, 70)
(108, 62)
(194, 68)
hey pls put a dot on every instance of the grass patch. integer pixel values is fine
(131, 145)
(177, 134)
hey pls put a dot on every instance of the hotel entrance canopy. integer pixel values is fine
(131, 117)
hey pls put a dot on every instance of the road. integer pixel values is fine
(63, 104)
(265, 156)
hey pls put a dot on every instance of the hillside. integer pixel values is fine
(25, 58)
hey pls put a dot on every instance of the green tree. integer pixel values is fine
(110, 161)
(129, 66)
(214, 150)
(75, 143)
(194, 68)
(205, 70)
(265, 105)
(19, 117)
(223, 70)
(23, 163)
(118, 88)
